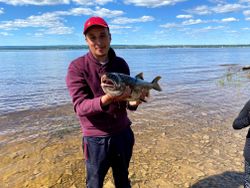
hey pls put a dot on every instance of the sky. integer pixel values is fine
(131, 22)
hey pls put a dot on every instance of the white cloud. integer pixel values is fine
(1, 11)
(200, 10)
(220, 8)
(35, 2)
(5, 34)
(209, 28)
(81, 11)
(230, 19)
(218, 1)
(111, 26)
(49, 21)
(198, 21)
(192, 22)
(231, 31)
(124, 20)
(53, 22)
(184, 23)
(245, 28)
(246, 12)
(195, 32)
(103, 12)
(170, 25)
(62, 30)
(54, 2)
(244, 1)
(185, 16)
(152, 3)
(227, 8)
(91, 2)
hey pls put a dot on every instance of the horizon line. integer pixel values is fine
(119, 46)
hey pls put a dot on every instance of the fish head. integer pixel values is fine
(112, 84)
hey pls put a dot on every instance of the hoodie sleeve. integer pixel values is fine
(243, 119)
(82, 97)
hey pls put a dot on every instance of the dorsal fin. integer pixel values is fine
(139, 76)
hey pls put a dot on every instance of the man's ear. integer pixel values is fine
(110, 36)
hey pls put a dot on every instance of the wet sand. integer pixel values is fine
(45, 150)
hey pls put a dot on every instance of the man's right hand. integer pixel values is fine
(107, 98)
(126, 94)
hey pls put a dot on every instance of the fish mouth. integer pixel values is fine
(106, 82)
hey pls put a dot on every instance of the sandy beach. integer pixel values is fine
(167, 153)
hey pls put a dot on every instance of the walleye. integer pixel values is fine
(116, 83)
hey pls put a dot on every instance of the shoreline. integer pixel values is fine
(117, 46)
(167, 153)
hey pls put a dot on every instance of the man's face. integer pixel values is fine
(98, 39)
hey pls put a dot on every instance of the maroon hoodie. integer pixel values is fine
(83, 82)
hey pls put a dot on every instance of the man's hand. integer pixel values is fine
(107, 98)
(143, 96)
(126, 94)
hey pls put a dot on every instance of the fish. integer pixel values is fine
(114, 83)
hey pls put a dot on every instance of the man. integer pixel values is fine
(107, 137)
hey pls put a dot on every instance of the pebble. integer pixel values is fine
(109, 184)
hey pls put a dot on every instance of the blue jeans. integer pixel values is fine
(101, 153)
(247, 175)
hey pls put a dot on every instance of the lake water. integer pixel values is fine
(206, 79)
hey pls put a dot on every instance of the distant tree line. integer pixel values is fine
(67, 47)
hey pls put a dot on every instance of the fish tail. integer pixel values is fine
(155, 84)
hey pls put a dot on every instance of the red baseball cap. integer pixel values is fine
(94, 21)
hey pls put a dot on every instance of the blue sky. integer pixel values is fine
(148, 22)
